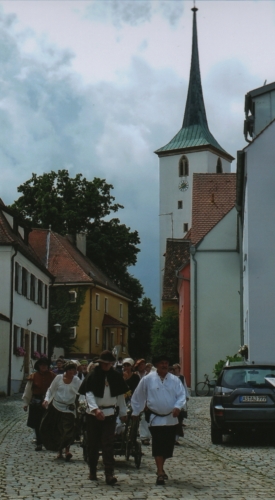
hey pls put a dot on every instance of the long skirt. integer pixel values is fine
(57, 429)
(163, 440)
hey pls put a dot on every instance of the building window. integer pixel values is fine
(97, 336)
(45, 302)
(16, 277)
(45, 346)
(219, 166)
(40, 293)
(106, 305)
(97, 301)
(15, 338)
(185, 227)
(73, 295)
(72, 332)
(121, 310)
(32, 291)
(183, 166)
(24, 282)
(33, 346)
(39, 344)
(179, 204)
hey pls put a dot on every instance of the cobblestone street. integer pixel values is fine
(199, 470)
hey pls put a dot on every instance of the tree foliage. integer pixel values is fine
(72, 205)
(144, 314)
(66, 313)
(165, 335)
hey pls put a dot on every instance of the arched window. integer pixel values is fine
(219, 166)
(183, 166)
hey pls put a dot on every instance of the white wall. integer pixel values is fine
(169, 194)
(259, 237)
(5, 273)
(218, 297)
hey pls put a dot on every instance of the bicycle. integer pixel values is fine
(203, 388)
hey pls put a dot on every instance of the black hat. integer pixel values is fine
(41, 361)
(160, 357)
(106, 357)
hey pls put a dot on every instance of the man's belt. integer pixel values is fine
(148, 412)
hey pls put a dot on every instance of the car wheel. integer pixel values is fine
(216, 435)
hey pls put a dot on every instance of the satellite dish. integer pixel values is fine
(116, 350)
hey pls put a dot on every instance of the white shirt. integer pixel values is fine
(160, 396)
(94, 402)
(62, 394)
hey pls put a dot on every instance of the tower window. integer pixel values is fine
(180, 204)
(219, 166)
(185, 227)
(183, 166)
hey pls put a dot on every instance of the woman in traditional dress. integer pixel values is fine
(132, 379)
(34, 394)
(58, 426)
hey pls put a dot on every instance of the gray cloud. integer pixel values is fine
(48, 122)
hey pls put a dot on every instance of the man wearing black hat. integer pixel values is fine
(104, 389)
(163, 395)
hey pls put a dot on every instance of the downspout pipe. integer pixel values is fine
(195, 281)
(11, 320)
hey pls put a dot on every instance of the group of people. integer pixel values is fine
(155, 393)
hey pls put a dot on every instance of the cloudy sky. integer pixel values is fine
(97, 86)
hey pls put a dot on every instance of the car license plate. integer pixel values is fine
(253, 399)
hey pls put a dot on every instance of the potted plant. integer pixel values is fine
(20, 352)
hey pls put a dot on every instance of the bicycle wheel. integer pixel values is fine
(202, 389)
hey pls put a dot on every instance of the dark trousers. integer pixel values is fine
(101, 434)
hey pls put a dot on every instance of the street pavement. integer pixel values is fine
(199, 470)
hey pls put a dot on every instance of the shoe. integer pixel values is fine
(93, 477)
(177, 443)
(59, 457)
(111, 480)
(160, 480)
(164, 476)
(68, 457)
(38, 447)
(146, 442)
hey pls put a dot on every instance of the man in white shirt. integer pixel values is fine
(163, 395)
(104, 389)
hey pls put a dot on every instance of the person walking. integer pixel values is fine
(59, 367)
(34, 394)
(183, 412)
(58, 426)
(144, 433)
(132, 379)
(163, 395)
(104, 388)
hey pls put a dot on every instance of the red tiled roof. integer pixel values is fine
(214, 195)
(66, 262)
(177, 254)
(110, 321)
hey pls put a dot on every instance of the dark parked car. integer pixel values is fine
(243, 399)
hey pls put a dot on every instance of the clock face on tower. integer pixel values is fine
(183, 185)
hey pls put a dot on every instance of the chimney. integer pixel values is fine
(81, 242)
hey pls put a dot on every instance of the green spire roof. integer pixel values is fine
(194, 131)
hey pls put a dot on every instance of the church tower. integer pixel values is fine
(192, 150)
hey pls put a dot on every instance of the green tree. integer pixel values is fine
(66, 313)
(143, 318)
(72, 205)
(165, 335)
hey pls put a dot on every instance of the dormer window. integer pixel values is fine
(183, 166)
(219, 166)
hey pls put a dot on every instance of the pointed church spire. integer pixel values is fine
(194, 110)
(194, 132)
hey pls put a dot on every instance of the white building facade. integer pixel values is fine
(23, 302)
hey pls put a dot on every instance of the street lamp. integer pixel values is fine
(57, 328)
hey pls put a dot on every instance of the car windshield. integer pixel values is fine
(248, 377)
